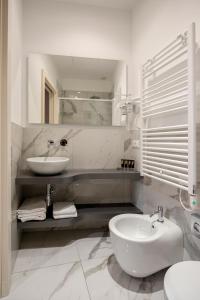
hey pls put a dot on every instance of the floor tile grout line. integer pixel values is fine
(64, 263)
(47, 267)
(86, 281)
(77, 249)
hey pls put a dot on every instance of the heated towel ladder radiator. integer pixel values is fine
(168, 134)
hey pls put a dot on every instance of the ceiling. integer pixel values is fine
(119, 4)
(84, 68)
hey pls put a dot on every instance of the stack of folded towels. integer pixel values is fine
(32, 209)
(62, 210)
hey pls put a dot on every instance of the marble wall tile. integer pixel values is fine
(87, 148)
(16, 148)
(148, 194)
(98, 149)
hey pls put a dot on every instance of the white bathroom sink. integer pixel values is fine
(142, 249)
(47, 165)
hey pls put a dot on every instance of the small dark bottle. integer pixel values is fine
(122, 163)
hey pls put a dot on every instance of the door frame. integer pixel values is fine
(53, 107)
(5, 156)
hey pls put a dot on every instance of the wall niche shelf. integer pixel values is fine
(90, 215)
(97, 214)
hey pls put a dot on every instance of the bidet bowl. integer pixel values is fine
(142, 250)
(47, 165)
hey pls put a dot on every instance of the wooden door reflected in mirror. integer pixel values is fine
(50, 107)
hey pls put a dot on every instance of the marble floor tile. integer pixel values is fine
(74, 265)
(106, 280)
(45, 250)
(93, 246)
(54, 283)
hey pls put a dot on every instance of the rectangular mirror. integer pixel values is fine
(75, 90)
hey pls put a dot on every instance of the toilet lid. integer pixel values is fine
(182, 281)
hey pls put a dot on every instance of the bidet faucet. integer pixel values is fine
(159, 212)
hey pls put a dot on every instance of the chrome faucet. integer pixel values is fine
(50, 143)
(159, 212)
(63, 142)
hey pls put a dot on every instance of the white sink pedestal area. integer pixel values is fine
(142, 250)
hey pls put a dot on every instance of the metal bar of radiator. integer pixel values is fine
(165, 171)
(169, 133)
(165, 165)
(167, 149)
(158, 92)
(174, 161)
(165, 64)
(166, 128)
(161, 101)
(158, 154)
(167, 176)
(165, 111)
(179, 91)
(166, 80)
(169, 104)
(167, 181)
(192, 111)
(166, 84)
(161, 138)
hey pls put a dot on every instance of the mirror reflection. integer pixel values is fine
(75, 90)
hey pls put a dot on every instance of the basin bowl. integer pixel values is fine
(47, 165)
(141, 249)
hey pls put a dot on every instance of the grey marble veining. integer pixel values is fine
(148, 194)
(106, 280)
(90, 275)
(87, 147)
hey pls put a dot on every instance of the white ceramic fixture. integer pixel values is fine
(141, 249)
(182, 281)
(47, 165)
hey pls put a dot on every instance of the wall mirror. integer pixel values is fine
(75, 90)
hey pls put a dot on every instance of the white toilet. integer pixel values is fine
(182, 281)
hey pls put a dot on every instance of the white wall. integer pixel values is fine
(76, 30)
(15, 59)
(154, 24)
(37, 63)
(87, 85)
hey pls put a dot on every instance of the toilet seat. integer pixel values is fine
(182, 281)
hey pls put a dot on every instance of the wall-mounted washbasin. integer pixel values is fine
(142, 249)
(47, 165)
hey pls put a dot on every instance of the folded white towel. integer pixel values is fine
(74, 215)
(64, 208)
(34, 204)
(40, 217)
(32, 209)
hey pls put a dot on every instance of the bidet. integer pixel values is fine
(141, 249)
